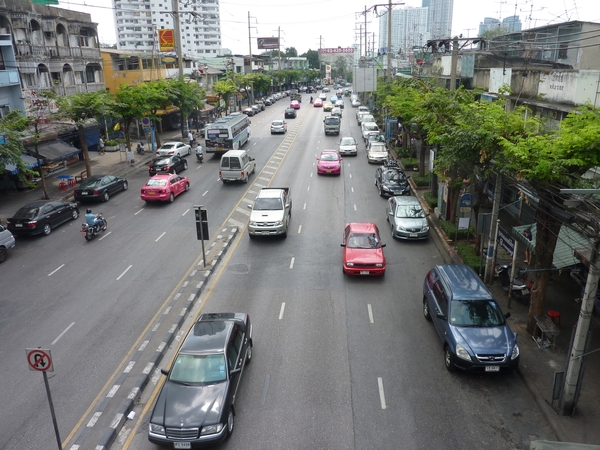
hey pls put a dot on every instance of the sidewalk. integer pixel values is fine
(538, 365)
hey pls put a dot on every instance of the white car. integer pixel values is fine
(377, 152)
(174, 148)
(348, 146)
(278, 126)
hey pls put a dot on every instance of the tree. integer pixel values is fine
(187, 96)
(313, 59)
(225, 89)
(12, 126)
(340, 67)
(291, 51)
(129, 106)
(81, 108)
(155, 95)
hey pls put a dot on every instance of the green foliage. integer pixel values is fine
(409, 163)
(431, 201)
(313, 59)
(468, 255)
(422, 181)
(82, 106)
(450, 229)
(186, 96)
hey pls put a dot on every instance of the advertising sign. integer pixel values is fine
(268, 43)
(506, 241)
(336, 50)
(166, 40)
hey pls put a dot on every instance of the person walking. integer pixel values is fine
(191, 139)
(101, 146)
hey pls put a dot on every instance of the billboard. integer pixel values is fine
(328, 73)
(166, 40)
(336, 50)
(269, 43)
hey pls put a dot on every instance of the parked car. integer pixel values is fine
(249, 111)
(290, 113)
(195, 406)
(348, 146)
(391, 181)
(167, 164)
(100, 187)
(7, 241)
(256, 109)
(174, 148)
(329, 162)
(278, 126)
(164, 188)
(407, 218)
(363, 250)
(41, 217)
(474, 333)
(377, 152)
(269, 101)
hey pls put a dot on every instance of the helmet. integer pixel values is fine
(88, 211)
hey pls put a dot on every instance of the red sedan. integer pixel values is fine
(363, 250)
(318, 103)
(329, 162)
(164, 188)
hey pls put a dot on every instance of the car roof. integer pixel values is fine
(211, 332)
(407, 200)
(37, 203)
(461, 278)
(362, 227)
(162, 175)
(328, 150)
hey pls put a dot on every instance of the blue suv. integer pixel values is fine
(469, 322)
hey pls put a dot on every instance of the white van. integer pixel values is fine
(368, 128)
(236, 165)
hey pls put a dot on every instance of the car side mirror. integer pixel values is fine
(250, 206)
(383, 245)
(342, 245)
(235, 371)
(507, 315)
(407, 177)
(164, 372)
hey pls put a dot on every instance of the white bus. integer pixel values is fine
(228, 133)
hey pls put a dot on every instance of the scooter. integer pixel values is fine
(199, 154)
(93, 230)
(141, 149)
(520, 289)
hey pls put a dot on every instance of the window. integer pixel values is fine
(562, 51)
(90, 75)
(83, 39)
(440, 295)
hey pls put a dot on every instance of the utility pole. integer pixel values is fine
(489, 260)
(177, 29)
(389, 42)
(453, 64)
(251, 96)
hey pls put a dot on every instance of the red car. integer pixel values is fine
(295, 104)
(164, 188)
(318, 103)
(329, 162)
(363, 250)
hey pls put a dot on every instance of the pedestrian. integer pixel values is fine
(528, 253)
(191, 139)
(101, 145)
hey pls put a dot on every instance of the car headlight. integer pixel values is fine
(425, 228)
(379, 265)
(211, 429)
(385, 188)
(279, 223)
(400, 228)
(252, 223)
(462, 353)
(515, 353)
(350, 264)
(157, 429)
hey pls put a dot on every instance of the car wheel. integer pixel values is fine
(189, 151)
(185, 165)
(74, 214)
(230, 422)
(246, 178)
(105, 197)
(380, 192)
(47, 229)
(187, 186)
(249, 354)
(449, 359)
(426, 313)
(171, 198)
(3, 254)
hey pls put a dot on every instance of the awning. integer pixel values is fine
(56, 151)
(169, 110)
(564, 253)
(29, 161)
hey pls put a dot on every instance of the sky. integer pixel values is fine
(310, 24)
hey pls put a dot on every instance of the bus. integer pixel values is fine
(229, 133)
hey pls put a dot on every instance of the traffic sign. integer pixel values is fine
(39, 360)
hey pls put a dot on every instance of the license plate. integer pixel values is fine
(364, 272)
(219, 148)
(151, 192)
(413, 235)
(182, 445)
(84, 193)
(265, 232)
(525, 291)
(492, 368)
(328, 171)
(19, 225)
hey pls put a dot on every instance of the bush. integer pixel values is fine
(468, 255)
(450, 230)
(111, 143)
(422, 181)
(410, 163)
(431, 201)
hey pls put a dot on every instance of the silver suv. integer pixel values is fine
(7, 240)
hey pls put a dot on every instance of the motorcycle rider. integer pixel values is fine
(93, 220)
(199, 152)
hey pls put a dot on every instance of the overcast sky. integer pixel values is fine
(310, 24)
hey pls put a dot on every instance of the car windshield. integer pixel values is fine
(329, 157)
(377, 148)
(27, 213)
(371, 128)
(363, 240)
(267, 204)
(198, 369)
(167, 146)
(158, 161)
(410, 212)
(159, 182)
(475, 313)
(348, 141)
(277, 123)
(393, 177)
(332, 121)
(90, 183)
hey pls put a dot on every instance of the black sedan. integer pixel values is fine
(391, 181)
(195, 407)
(167, 164)
(100, 187)
(290, 113)
(41, 216)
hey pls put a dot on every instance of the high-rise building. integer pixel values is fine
(511, 24)
(137, 23)
(439, 22)
(489, 23)
(409, 30)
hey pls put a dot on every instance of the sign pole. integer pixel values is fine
(54, 422)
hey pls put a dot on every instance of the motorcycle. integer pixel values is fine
(199, 154)
(141, 149)
(520, 288)
(93, 230)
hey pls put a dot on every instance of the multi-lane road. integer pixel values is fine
(339, 362)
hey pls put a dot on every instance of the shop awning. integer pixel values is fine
(169, 110)
(29, 161)
(564, 253)
(56, 151)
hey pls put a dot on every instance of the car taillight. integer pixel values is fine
(167, 168)
(242, 174)
(96, 192)
(32, 224)
(220, 174)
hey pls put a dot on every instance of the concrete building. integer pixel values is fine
(137, 23)
(409, 30)
(489, 23)
(10, 83)
(439, 21)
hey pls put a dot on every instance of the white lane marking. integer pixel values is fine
(198, 167)
(158, 238)
(299, 229)
(105, 235)
(370, 312)
(186, 211)
(350, 175)
(246, 211)
(381, 393)
(124, 272)
(352, 189)
(219, 179)
(56, 270)
(308, 188)
(204, 193)
(304, 207)
(311, 174)
(355, 207)
(292, 262)
(234, 222)
(138, 212)
(62, 334)
(281, 310)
